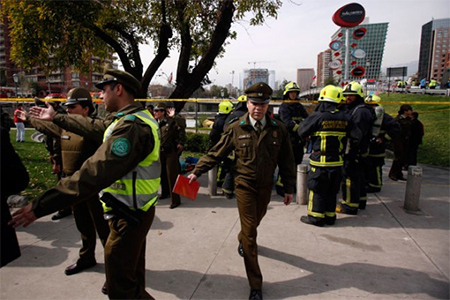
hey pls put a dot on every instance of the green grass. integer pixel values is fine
(36, 159)
(435, 149)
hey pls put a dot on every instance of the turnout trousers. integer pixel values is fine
(353, 187)
(374, 172)
(125, 258)
(323, 185)
(252, 203)
(88, 217)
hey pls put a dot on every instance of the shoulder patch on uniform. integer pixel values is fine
(121, 147)
(129, 118)
(233, 120)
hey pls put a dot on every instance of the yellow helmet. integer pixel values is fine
(225, 107)
(242, 98)
(373, 100)
(330, 93)
(353, 88)
(291, 87)
(342, 93)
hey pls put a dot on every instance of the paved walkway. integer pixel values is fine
(382, 253)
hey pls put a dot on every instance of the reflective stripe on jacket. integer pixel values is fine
(139, 188)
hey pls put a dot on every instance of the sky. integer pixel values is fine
(303, 29)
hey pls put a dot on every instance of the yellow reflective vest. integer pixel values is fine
(139, 188)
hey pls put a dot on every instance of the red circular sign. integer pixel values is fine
(349, 15)
(358, 72)
(359, 33)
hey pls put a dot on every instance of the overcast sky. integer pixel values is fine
(304, 28)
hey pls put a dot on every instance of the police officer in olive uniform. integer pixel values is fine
(329, 129)
(170, 165)
(260, 144)
(125, 170)
(75, 150)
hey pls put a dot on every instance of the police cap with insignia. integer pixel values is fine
(80, 96)
(259, 93)
(124, 78)
(160, 106)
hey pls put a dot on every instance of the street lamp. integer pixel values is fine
(16, 81)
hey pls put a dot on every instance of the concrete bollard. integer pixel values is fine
(302, 191)
(212, 181)
(412, 193)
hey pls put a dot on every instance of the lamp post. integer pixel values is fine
(16, 80)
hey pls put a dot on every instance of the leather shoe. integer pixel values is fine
(60, 215)
(104, 289)
(78, 267)
(241, 250)
(255, 294)
(174, 205)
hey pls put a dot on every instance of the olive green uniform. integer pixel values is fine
(171, 136)
(125, 248)
(257, 156)
(88, 214)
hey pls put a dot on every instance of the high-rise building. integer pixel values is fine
(323, 69)
(305, 78)
(253, 76)
(434, 49)
(366, 52)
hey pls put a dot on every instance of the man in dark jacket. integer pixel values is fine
(292, 114)
(353, 187)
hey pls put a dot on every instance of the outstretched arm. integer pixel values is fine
(42, 113)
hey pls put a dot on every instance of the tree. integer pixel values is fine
(330, 81)
(57, 34)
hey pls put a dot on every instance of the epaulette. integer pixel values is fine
(233, 120)
(129, 118)
(120, 114)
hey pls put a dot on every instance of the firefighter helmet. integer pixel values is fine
(242, 98)
(291, 87)
(225, 107)
(342, 93)
(330, 93)
(353, 88)
(373, 100)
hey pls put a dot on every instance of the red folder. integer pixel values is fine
(183, 188)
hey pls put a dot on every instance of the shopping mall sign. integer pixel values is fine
(349, 15)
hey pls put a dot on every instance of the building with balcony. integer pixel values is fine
(434, 50)
(323, 69)
(366, 51)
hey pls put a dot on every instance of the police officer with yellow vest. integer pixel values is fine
(75, 150)
(329, 129)
(125, 170)
(260, 143)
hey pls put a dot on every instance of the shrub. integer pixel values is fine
(197, 142)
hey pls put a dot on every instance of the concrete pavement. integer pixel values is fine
(381, 253)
